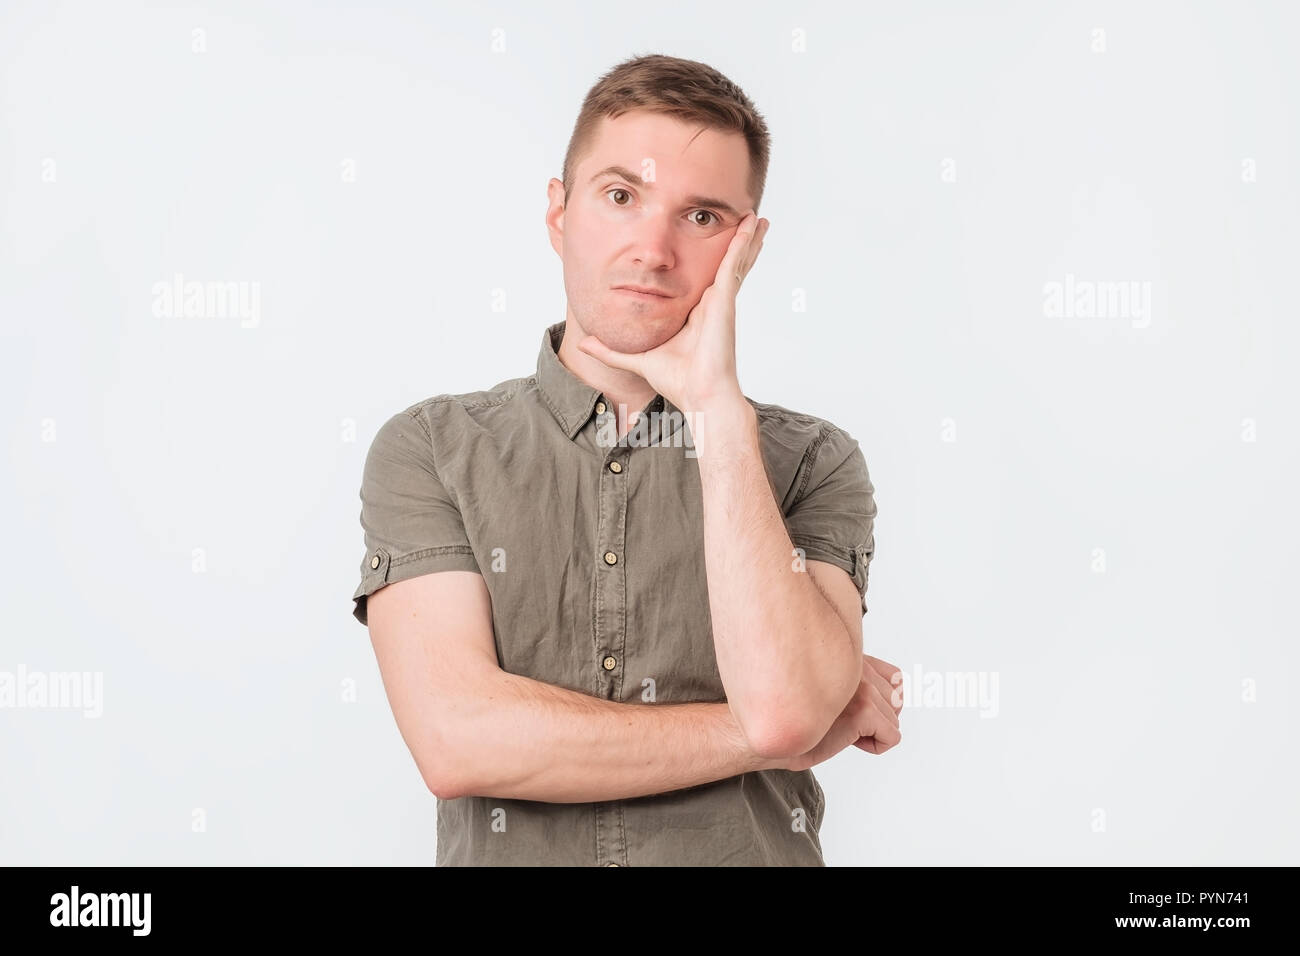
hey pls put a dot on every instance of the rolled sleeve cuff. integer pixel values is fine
(381, 568)
(854, 561)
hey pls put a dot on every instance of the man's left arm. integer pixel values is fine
(788, 647)
(788, 661)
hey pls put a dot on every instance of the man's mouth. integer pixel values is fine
(642, 292)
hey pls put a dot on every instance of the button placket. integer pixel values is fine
(610, 624)
(611, 580)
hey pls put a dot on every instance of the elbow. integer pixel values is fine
(444, 787)
(785, 728)
(776, 747)
(799, 733)
(781, 740)
(443, 773)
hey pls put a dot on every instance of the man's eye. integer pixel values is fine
(713, 219)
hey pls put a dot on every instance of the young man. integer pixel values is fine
(617, 605)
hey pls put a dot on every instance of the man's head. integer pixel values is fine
(666, 158)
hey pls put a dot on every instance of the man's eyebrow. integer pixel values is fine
(703, 202)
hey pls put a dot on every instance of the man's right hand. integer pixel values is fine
(869, 722)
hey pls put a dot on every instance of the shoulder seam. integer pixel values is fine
(486, 403)
(787, 415)
(414, 411)
(412, 414)
(810, 457)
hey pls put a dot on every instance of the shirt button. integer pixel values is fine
(374, 562)
(615, 467)
(600, 408)
(611, 557)
(609, 663)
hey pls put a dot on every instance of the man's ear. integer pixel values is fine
(555, 199)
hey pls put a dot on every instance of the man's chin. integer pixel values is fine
(640, 335)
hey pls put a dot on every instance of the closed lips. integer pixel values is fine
(634, 288)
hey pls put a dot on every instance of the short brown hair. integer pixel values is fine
(686, 89)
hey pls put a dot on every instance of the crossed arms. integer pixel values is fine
(474, 728)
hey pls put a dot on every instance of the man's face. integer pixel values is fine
(663, 221)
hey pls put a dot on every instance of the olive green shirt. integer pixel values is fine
(592, 549)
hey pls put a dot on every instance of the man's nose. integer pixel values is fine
(653, 242)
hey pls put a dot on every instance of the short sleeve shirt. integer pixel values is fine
(591, 547)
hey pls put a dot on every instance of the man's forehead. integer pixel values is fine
(663, 152)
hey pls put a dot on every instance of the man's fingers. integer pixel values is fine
(874, 745)
(881, 716)
(882, 737)
(892, 695)
(878, 743)
(753, 248)
(599, 350)
(886, 677)
(729, 270)
(883, 667)
(881, 702)
(892, 676)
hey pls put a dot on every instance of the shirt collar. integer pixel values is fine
(571, 400)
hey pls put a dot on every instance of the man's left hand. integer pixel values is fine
(697, 366)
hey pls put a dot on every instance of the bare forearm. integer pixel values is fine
(782, 650)
(525, 739)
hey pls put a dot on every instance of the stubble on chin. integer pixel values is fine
(629, 337)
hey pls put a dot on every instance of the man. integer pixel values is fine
(617, 605)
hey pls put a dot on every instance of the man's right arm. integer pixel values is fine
(475, 729)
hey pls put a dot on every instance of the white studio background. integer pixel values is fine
(1091, 507)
